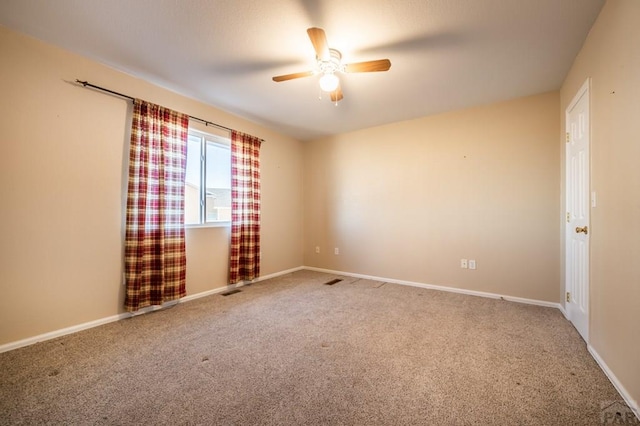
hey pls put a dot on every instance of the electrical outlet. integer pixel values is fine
(317, 249)
(463, 263)
(336, 251)
(472, 264)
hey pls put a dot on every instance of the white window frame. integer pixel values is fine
(204, 139)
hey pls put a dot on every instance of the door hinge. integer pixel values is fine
(568, 297)
(568, 137)
(568, 217)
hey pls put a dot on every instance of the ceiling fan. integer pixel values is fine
(329, 63)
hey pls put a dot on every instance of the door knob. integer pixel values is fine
(584, 229)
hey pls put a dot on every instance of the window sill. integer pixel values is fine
(221, 224)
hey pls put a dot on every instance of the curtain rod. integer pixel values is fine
(122, 95)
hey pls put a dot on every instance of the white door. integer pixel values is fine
(578, 204)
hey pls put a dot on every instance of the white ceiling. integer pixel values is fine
(445, 54)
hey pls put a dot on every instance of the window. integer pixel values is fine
(207, 190)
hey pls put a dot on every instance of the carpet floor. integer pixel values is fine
(292, 350)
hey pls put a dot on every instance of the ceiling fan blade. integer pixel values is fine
(368, 66)
(286, 77)
(319, 40)
(336, 95)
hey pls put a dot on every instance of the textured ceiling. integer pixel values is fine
(445, 54)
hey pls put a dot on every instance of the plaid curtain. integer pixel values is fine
(244, 259)
(155, 260)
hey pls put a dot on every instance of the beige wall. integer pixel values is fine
(611, 57)
(63, 151)
(409, 200)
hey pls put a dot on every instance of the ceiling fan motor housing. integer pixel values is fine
(333, 64)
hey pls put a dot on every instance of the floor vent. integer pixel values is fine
(230, 292)
(332, 282)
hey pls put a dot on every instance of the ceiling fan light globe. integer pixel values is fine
(329, 82)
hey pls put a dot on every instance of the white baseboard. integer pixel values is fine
(278, 274)
(616, 383)
(62, 332)
(84, 326)
(564, 311)
(228, 287)
(239, 284)
(442, 288)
